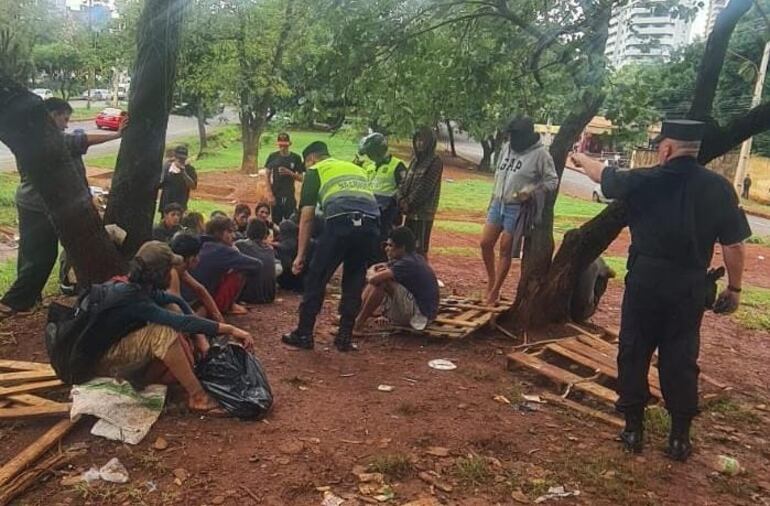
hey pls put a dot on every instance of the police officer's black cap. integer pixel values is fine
(520, 124)
(686, 130)
(316, 148)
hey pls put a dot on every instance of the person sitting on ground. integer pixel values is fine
(188, 247)
(169, 225)
(406, 285)
(525, 168)
(286, 252)
(241, 220)
(216, 213)
(221, 267)
(143, 341)
(259, 289)
(193, 223)
(262, 213)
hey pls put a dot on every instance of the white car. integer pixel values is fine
(97, 94)
(43, 93)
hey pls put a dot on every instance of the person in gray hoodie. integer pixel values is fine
(525, 167)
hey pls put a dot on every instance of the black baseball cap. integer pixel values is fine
(681, 130)
(181, 151)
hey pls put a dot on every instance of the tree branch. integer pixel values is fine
(714, 57)
(719, 140)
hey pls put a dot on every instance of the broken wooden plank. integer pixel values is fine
(456, 322)
(595, 413)
(563, 377)
(24, 366)
(464, 305)
(583, 331)
(30, 454)
(43, 410)
(598, 362)
(30, 400)
(28, 478)
(29, 387)
(12, 378)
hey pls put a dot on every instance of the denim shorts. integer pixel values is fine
(503, 215)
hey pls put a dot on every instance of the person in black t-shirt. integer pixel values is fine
(406, 285)
(177, 180)
(284, 168)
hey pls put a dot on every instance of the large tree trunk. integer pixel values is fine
(27, 129)
(252, 127)
(487, 149)
(135, 183)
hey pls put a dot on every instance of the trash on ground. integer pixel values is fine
(532, 398)
(113, 472)
(557, 493)
(442, 364)
(728, 465)
(124, 414)
(501, 399)
(331, 500)
(386, 388)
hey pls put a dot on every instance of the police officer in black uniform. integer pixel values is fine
(676, 212)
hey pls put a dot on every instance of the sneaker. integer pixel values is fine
(298, 341)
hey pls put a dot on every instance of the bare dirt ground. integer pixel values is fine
(330, 417)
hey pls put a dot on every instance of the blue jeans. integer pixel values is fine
(503, 215)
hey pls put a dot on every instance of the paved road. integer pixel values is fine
(178, 126)
(579, 185)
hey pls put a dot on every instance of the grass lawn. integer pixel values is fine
(225, 150)
(8, 184)
(754, 312)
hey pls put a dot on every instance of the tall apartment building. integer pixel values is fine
(715, 9)
(640, 33)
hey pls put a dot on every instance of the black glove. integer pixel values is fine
(711, 286)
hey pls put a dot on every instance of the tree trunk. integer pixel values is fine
(201, 117)
(714, 57)
(451, 133)
(135, 183)
(26, 128)
(487, 150)
(539, 299)
(252, 127)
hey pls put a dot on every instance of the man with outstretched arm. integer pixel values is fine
(351, 229)
(38, 240)
(676, 211)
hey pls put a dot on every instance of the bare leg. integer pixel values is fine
(506, 249)
(178, 360)
(372, 299)
(489, 237)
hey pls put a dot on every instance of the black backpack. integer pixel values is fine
(69, 336)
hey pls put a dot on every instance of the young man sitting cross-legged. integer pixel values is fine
(405, 286)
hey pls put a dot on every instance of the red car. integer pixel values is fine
(110, 118)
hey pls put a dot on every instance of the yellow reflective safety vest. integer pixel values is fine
(344, 189)
(384, 178)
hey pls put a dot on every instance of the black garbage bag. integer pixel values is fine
(235, 378)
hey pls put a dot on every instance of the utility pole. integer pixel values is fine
(743, 160)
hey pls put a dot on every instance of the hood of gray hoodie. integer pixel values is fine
(527, 170)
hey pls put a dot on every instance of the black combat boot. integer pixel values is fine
(633, 435)
(344, 341)
(297, 340)
(679, 445)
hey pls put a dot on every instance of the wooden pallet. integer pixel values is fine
(459, 317)
(22, 385)
(584, 363)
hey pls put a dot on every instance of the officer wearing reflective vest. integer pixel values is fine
(342, 191)
(676, 212)
(386, 173)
